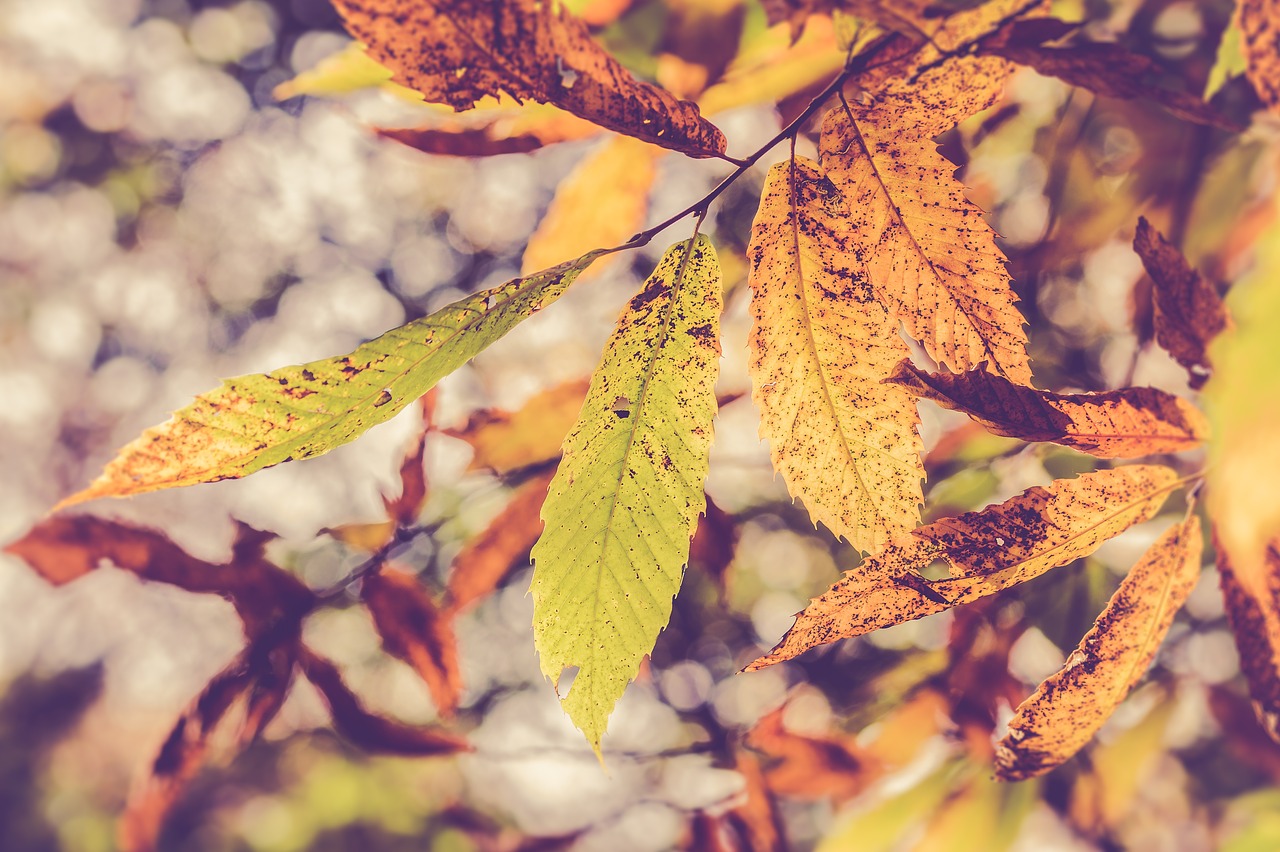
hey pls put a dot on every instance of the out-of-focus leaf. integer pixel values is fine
(880, 828)
(1189, 313)
(1116, 424)
(505, 441)
(984, 552)
(920, 244)
(1244, 737)
(626, 497)
(484, 561)
(1102, 798)
(403, 509)
(808, 767)
(775, 69)
(1109, 70)
(602, 202)
(459, 51)
(1260, 33)
(1255, 621)
(983, 816)
(714, 544)
(228, 714)
(349, 70)
(1242, 399)
(1071, 705)
(366, 730)
(66, 548)
(756, 818)
(820, 346)
(414, 629)
(259, 420)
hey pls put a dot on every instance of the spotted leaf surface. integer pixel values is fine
(625, 500)
(821, 344)
(1115, 424)
(983, 552)
(925, 249)
(1260, 37)
(1071, 705)
(255, 421)
(458, 51)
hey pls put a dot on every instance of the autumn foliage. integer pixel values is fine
(875, 285)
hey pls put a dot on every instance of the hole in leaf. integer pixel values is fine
(938, 569)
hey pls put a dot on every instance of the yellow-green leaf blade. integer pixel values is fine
(255, 421)
(1071, 705)
(845, 442)
(626, 497)
(985, 552)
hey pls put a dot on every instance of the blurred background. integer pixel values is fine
(165, 221)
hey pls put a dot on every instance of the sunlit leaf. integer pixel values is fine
(1255, 620)
(923, 247)
(349, 70)
(1070, 706)
(626, 497)
(820, 346)
(505, 441)
(810, 767)
(459, 51)
(983, 552)
(263, 419)
(1116, 424)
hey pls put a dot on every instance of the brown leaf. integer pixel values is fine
(62, 549)
(496, 130)
(507, 441)
(1116, 424)
(756, 818)
(404, 509)
(503, 546)
(1109, 70)
(254, 685)
(459, 51)
(1189, 313)
(984, 552)
(714, 544)
(1260, 31)
(366, 730)
(1255, 621)
(1072, 704)
(414, 629)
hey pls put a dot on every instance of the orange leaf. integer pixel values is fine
(414, 629)
(459, 51)
(404, 509)
(255, 685)
(1116, 424)
(1189, 313)
(1255, 621)
(503, 546)
(497, 130)
(1072, 704)
(63, 549)
(366, 730)
(806, 767)
(984, 552)
(506, 441)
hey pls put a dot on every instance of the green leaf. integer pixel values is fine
(626, 498)
(255, 421)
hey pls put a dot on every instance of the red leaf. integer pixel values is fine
(414, 629)
(369, 731)
(413, 477)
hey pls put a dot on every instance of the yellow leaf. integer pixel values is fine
(603, 202)
(923, 246)
(1071, 705)
(1116, 424)
(625, 500)
(349, 70)
(820, 346)
(775, 69)
(984, 552)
